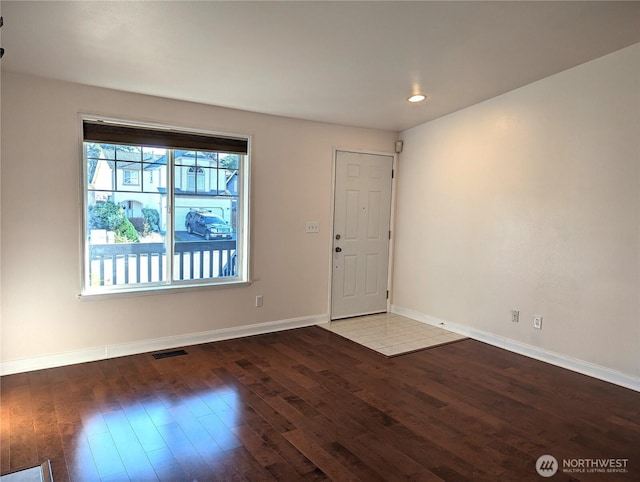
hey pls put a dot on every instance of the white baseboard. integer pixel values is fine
(558, 359)
(113, 351)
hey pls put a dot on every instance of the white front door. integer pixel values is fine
(361, 222)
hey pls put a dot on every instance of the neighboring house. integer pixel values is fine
(128, 182)
(135, 184)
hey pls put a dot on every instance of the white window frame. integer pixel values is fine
(243, 244)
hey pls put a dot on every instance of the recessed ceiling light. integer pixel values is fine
(417, 98)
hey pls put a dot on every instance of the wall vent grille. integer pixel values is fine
(169, 354)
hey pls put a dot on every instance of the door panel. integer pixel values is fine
(350, 270)
(373, 227)
(352, 211)
(361, 229)
(371, 285)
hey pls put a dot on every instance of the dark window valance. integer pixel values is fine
(107, 132)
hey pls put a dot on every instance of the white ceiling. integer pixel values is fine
(352, 63)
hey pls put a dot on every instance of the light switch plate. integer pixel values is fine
(537, 322)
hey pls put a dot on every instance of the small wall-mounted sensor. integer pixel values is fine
(399, 146)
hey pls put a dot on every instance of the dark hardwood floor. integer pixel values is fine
(307, 404)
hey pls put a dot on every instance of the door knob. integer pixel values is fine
(338, 249)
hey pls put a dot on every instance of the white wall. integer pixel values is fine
(291, 184)
(531, 201)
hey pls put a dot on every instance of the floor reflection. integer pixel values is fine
(156, 439)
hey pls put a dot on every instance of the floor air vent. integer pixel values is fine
(169, 354)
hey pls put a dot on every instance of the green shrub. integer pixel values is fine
(108, 215)
(152, 218)
(127, 231)
(104, 215)
(138, 223)
(114, 221)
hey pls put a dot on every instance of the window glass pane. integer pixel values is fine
(195, 180)
(128, 176)
(128, 153)
(101, 174)
(207, 159)
(181, 180)
(100, 151)
(205, 239)
(229, 161)
(185, 158)
(98, 171)
(154, 155)
(210, 182)
(125, 239)
(205, 227)
(154, 178)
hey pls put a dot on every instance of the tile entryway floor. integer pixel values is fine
(391, 334)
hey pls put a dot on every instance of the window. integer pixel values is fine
(131, 178)
(163, 207)
(195, 179)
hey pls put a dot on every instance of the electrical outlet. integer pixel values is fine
(258, 301)
(537, 322)
(312, 227)
(515, 316)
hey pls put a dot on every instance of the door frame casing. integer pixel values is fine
(394, 156)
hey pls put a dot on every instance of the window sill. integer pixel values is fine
(158, 290)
